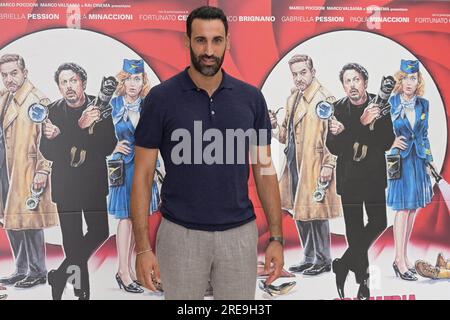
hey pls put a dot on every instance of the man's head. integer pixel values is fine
(302, 70)
(354, 78)
(71, 80)
(13, 71)
(207, 39)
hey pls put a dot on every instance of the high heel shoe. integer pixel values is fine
(408, 275)
(412, 270)
(132, 287)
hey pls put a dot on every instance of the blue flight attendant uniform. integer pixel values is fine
(413, 189)
(119, 196)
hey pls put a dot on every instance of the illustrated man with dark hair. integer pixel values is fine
(208, 231)
(79, 176)
(360, 172)
(23, 170)
(308, 163)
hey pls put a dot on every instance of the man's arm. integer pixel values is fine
(267, 187)
(147, 267)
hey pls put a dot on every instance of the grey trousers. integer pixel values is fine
(315, 236)
(188, 259)
(29, 251)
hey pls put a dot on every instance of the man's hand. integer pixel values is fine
(89, 116)
(273, 119)
(371, 112)
(326, 174)
(147, 270)
(50, 130)
(335, 126)
(39, 181)
(274, 261)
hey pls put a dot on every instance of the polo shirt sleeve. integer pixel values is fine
(149, 131)
(262, 123)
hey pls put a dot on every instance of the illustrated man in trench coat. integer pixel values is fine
(308, 161)
(23, 168)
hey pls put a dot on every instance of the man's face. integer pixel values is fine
(71, 86)
(354, 85)
(302, 75)
(13, 76)
(207, 45)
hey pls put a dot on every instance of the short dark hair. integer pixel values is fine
(206, 13)
(71, 66)
(354, 66)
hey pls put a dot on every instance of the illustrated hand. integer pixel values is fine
(326, 174)
(371, 112)
(88, 117)
(50, 130)
(273, 119)
(40, 181)
(335, 126)
(122, 147)
(400, 143)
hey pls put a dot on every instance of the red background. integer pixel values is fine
(255, 49)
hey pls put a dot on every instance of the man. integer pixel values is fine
(208, 231)
(361, 172)
(79, 176)
(23, 170)
(308, 160)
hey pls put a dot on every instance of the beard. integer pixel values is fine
(206, 70)
(355, 95)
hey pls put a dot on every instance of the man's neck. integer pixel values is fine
(361, 100)
(78, 104)
(207, 83)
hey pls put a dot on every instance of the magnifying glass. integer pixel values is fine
(38, 113)
(324, 110)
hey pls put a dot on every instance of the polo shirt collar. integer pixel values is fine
(188, 84)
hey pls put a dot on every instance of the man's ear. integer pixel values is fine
(84, 85)
(365, 84)
(228, 42)
(313, 72)
(187, 41)
(25, 72)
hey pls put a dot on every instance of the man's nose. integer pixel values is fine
(8, 78)
(209, 49)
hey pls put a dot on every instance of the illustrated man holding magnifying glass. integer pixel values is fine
(307, 185)
(25, 202)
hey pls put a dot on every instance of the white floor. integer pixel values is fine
(384, 285)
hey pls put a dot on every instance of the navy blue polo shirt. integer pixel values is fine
(207, 168)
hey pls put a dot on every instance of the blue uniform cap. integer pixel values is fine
(133, 66)
(409, 66)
